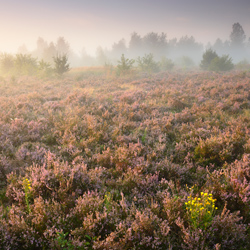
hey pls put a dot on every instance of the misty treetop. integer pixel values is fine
(237, 36)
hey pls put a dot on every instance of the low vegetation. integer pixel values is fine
(125, 162)
(26, 65)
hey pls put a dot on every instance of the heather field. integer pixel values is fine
(95, 161)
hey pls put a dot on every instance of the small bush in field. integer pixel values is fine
(25, 64)
(124, 65)
(207, 58)
(148, 64)
(44, 68)
(211, 61)
(223, 63)
(61, 64)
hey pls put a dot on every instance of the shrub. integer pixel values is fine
(124, 65)
(61, 64)
(207, 58)
(223, 63)
(44, 69)
(25, 64)
(148, 64)
(211, 61)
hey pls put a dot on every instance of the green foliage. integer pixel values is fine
(7, 63)
(63, 242)
(223, 63)
(207, 58)
(25, 64)
(148, 64)
(144, 136)
(44, 69)
(124, 65)
(20, 64)
(61, 64)
(166, 64)
(211, 61)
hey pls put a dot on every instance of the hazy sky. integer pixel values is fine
(90, 23)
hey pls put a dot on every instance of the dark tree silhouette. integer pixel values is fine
(237, 35)
(61, 64)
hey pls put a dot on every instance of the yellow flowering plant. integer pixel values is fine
(26, 187)
(108, 200)
(201, 210)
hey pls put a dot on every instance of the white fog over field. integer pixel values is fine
(95, 32)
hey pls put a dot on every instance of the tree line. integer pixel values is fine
(183, 51)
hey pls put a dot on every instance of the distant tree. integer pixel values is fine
(135, 45)
(119, 48)
(172, 50)
(155, 44)
(61, 64)
(187, 46)
(62, 47)
(220, 46)
(41, 46)
(187, 42)
(101, 56)
(237, 35)
(49, 53)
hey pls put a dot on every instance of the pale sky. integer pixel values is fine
(92, 23)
